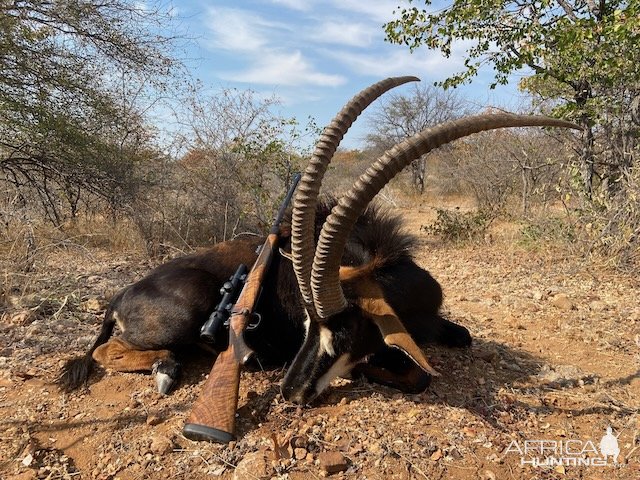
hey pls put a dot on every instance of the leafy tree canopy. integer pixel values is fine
(73, 74)
(555, 38)
(583, 56)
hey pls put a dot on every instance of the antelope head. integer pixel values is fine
(340, 333)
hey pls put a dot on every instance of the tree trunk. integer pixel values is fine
(525, 191)
(587, 167)
(418, 171)
(586, 160)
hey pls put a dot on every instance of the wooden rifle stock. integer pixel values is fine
(212, 417)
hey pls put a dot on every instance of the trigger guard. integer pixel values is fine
(253, 325)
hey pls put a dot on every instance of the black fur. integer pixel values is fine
(166, 309)
(379, 235)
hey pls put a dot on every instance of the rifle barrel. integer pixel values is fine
(212, 417)
(285, 203)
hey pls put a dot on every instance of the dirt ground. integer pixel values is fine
(556, 357)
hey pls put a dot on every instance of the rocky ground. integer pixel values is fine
(556, 356)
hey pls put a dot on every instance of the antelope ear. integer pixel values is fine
(286, 255)
(396, 336)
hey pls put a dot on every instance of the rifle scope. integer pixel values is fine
(229, 291)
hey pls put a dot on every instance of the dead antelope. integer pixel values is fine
(352, 296)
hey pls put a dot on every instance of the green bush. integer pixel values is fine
(457, 226)
(546, 229)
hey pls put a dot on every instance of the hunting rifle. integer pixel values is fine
(213, 414)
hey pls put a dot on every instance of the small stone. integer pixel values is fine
(414, 412)
(469, 432)
(154, 420)
(251, 394)
(300, 453)
(26, 461)
(634, 386)
(435, 456)
(455, 454)
(424, 441)
(356, 449)
(488, 356)
(161, 445)
(218, 471)
(28, 475)
(559, 373)
(562, 302)
(24, 317)
(252, 466)
(299, 442)
(560, 469)
(375, 448)
(94, 305)
(332, 462)
(487, 475)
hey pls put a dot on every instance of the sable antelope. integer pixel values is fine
(356, 301)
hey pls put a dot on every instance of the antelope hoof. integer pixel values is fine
(167, 373)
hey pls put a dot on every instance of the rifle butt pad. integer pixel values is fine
(196, 432)
(213, 414)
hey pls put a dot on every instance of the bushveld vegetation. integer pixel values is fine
(82, 162)
(571, 51)
(515, 224)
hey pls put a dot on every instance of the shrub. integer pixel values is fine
(456, 226)
(547, 229)
(612, 224)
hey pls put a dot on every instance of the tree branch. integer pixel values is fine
(568, 10)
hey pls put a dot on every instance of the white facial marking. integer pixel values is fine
(307, 325)
(326, 342)
(341, 367)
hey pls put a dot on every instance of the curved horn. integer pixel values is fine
(325, 284)
(304, 205)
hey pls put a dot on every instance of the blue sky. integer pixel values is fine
(313, 55)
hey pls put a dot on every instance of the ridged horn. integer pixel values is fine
(325, 284)
(306, 199)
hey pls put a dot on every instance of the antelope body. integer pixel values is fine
(351, 298)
